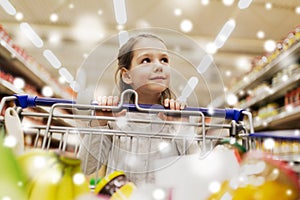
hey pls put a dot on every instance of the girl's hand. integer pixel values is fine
(173, 105)
(107, 101)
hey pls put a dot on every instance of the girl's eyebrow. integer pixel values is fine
(164, 54)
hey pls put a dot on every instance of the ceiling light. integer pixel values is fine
(123, 37)
(186, 25)
(47, 91)
(53, 17)
(54, 38)
(177, 12)
(19, 16)
(206, 61)
(243, 64)
(243, 4)
(260, 34)
(228, 73)
(224, 33)
(120, 11)
(227, 2)
(297, 10)
(205, 2)
(31, 35)
(120, 27)
(100, 12)
(188, 89)
(71, 6)
(270, 45)
(52, 59)
(66, 74)
(85, 55)
(75, 86)
(211, 48)
(8, 7)
(88, 29)
(142, 24)
(268, 6)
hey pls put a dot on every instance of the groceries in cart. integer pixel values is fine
(260, 177)
(224, 153)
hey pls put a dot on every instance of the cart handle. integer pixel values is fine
(24, 101)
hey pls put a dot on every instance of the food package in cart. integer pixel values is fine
(194, 176)
(261, 177)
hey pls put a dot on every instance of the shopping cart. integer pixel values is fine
(63, 123)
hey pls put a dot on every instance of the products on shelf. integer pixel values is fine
(28, 88)
(285, 74)
(260, 62)
(32, 65)
(271, 109)
(282, 144)
(292, 98)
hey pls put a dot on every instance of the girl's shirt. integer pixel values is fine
(136, 155)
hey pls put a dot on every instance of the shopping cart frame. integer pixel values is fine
(25, 101)
(236, 127)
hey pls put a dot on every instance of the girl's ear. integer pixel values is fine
(126, 76)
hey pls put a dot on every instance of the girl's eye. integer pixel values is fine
(146, 60)
(165, 60)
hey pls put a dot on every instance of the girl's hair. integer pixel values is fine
(124, 61)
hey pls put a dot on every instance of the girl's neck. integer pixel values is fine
(145, 98)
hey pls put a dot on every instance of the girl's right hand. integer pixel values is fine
(107, 101)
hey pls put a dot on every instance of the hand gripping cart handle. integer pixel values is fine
(24, 101)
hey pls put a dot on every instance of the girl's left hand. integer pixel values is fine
(173, 104)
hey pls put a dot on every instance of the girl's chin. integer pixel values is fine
(152, 88)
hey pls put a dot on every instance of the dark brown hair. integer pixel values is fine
(124, 60)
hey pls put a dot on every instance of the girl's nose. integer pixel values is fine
(158, 67)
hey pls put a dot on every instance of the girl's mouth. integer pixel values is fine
(158, 78)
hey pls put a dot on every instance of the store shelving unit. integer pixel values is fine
(14, 62)
(286, 116)
(286, 58)
(30, 71)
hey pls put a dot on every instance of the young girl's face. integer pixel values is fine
(149, 70)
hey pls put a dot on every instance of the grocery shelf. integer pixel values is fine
(8, 88)
(273, 93)
(8, 53)
(286, 58)
(284, 120)
(30, 70)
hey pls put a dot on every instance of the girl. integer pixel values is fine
(143, 65)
